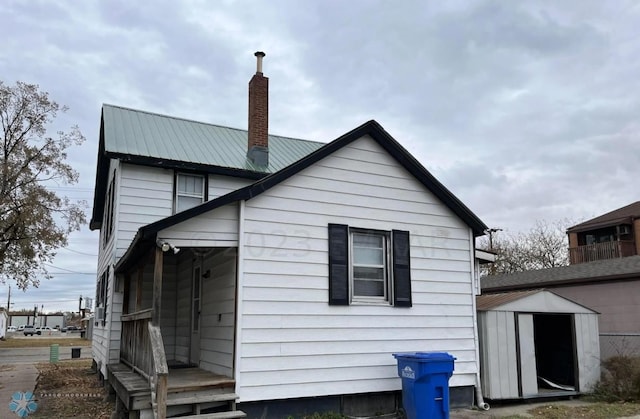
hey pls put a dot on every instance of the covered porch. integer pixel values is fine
(177, 334)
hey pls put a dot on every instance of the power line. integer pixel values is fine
(45, 301)
(80, 253)
(71, 273)
(69, 270)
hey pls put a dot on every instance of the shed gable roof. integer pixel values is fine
(541, 300)
(372, 129)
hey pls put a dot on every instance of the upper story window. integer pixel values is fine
(190, 191)
(107, 223)
(369, 266)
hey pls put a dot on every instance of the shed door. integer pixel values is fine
(196, 294)
(527, 355)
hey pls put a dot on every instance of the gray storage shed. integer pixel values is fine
(536, 344)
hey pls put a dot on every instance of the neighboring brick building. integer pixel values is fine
(609, 236)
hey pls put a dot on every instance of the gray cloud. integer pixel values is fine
(525, 110)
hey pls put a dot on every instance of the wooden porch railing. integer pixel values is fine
(142, 348)
(135, 346)
(158, 380)
(601, 251)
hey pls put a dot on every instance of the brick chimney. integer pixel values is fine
(258, 145)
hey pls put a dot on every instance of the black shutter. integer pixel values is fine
(338, 264)
(401, 269)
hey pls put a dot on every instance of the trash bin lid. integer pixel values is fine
(426, 356)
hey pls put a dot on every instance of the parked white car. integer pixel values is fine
(12, 329)
(44, 330)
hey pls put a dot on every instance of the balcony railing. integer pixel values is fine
(601, 251)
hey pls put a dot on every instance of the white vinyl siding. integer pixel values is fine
(168, 304)
(105, 343)
(218, 312)
(183, 307)
(222, 185)
(146, 196)
(294, 344)
(216, 228)
(142, 196)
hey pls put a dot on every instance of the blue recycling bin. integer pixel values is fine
(425, 383)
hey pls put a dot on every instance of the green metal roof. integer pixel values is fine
(165, 141)
(131, 132)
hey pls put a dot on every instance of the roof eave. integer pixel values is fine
(560, 282)
(580, 228)
(102, 176)
(371, 128)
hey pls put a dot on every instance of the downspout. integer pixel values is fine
(475, 280)
(239, 293)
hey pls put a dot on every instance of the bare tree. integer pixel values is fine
(34, 220)
(544, 246)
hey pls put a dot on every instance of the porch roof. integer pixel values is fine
(146, 235)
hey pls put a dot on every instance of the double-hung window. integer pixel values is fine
(369, 266)
(190, 191)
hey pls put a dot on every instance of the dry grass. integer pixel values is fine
(594, 411)
(43, 342)
(70, 389)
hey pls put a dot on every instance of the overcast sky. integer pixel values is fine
(524, 110)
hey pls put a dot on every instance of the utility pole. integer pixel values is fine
(490, 231)
(9, 301)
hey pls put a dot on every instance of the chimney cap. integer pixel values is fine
(260, 55)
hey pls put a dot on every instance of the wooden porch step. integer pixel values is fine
(174, 399)
(220, 415)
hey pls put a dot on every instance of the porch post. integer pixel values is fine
(157, 287)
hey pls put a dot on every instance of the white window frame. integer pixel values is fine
(387, 297)
(179, 194)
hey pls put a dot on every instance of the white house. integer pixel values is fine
(277, 273)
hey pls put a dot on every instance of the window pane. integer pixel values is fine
(191, 185)
(186, 202)
(367, 240)
(368, 282)
(368, 273)
(368, 288)
(366, 256)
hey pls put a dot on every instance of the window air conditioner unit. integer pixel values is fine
(100, 313)
(625, 229)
